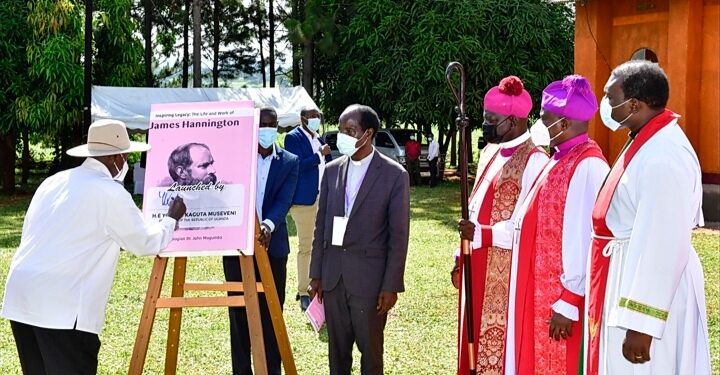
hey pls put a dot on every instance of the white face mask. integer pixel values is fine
(313, 124)
(606, 114)
(346, 144)
(540, 133)
(122, 172)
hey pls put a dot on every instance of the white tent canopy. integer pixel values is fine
(132, 104)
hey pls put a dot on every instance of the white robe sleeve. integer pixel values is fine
(502, 232)
(577, 226)
(127, 227)
(666, 192)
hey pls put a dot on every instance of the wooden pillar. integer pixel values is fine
(593, 27)
(709, 152)
(684, 64)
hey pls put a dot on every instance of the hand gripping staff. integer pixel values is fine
(462, 123)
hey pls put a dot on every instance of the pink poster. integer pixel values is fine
(204, 153)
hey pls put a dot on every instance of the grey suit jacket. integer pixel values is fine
(374, 250)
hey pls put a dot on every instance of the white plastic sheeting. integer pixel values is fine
(132, 104)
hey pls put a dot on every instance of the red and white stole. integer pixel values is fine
(539, 269)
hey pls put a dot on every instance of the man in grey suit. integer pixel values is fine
(360, 243)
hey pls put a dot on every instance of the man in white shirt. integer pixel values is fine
(277, 172)
(433, 155)
(60, 277)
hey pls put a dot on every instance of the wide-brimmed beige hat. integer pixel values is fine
(107, 137)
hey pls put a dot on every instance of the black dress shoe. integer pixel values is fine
(304, 302)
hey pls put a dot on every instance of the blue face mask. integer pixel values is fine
(313, 124)
(267, 137)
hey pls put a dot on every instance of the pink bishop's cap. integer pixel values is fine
(509, 98)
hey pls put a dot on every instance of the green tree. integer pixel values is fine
(236, 35)
(392, 55)
(52, 102)
(14, 35)
(118, 56)
(42, 61)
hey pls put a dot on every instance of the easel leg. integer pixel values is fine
(142, 340)
(252, 306)
(273, 301)
(173, 338)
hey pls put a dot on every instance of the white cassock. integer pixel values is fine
(576, 236)
(655, 281)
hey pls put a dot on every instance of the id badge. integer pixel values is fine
(339, 226)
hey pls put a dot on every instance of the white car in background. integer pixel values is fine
(391, 143)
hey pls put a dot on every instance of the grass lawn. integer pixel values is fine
(421, 330)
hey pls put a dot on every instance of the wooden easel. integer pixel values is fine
(249, 299)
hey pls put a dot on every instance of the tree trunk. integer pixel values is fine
(448, 142)
(186, 45)
(197, 44)
(7, 163)
(56, 157)
(216, 42)
(453, 150)
(26, 158)
(441, 140)
(469, 146)
(261, 37)
(262, 63)
(271, 41)
(308, 72)
(318, 89)
(295, 66)
(147, 33)
(296, 47)
(65, 144)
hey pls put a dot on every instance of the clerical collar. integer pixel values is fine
(508, 148)
(634, 134)
(364, 160)
(565, 147)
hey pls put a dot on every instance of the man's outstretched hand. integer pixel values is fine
(177, 209)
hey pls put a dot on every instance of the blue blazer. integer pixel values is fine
(307, 186)
(279, 192)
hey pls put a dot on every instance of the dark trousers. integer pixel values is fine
(239, 332)
(433, 172)
(55, 351)
(413, 167)
(353, 319)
